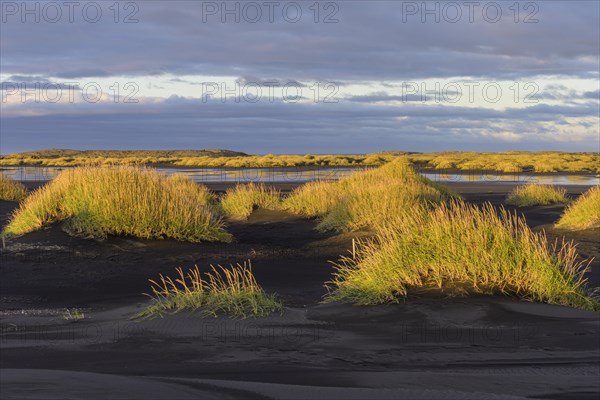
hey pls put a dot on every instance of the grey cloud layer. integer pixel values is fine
(370, 40)
(280, 127)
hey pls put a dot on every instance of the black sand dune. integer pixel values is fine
(421, 348)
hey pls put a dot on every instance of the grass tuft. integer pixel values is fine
(374, 197)
(140, 202)
(584, 213)
(314, 199)
(239, 202)
(11, 190)
(365, 199)
(536, 195)
(73, 314)
(232, 292)
(458, 248)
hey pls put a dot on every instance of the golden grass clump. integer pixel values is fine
(122, 200)
(584, 213)
(239, 202)
(366, 198)
(372, 198)
(313, 199)
(458, 248)
(234, 292)
(11, 190)
(536, 195)
(372, 207)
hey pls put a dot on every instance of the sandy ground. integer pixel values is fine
(421, 348)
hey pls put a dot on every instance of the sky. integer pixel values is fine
(300, 77)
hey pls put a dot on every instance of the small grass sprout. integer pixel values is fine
(230, 291)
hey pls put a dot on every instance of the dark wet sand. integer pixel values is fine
(422, 348)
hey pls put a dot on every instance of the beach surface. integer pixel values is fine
(66, 305)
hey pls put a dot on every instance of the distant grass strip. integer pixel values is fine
(511, 162)
(188, 158)
(223, 291)
(459, 248)
(508, 162)
(11, 190)
(584, 213)
(239, 202)
(536, 195)
(140, 202)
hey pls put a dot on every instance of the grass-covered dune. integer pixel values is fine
(458, 248)
(11, 190)
(428, 240)
(423, 237)
(510, 162)
(536, 195)
(584, 213)
(140, 202)
(365, 199)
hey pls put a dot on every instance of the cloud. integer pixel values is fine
(506, 136)
(372, 45)
(273, 82)
(18, 83)
(180, 122)
(82, 73)
(378, 97)
(167, 40)
(592, 95)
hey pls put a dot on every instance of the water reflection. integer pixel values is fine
(306, 174)
(519, 178)
(278, 174)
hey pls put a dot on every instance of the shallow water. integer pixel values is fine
(274, 174)
(306, 174)
(520, 178)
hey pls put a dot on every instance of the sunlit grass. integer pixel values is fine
(584, 213)
(223, 291)
(73, 314)
(536, 195)
(187, 158)
(314, 199)
(507, 162)
(11, 190)
(511, 162)
(459, 248)
(365, 199)
(101, 201)
(239, 202)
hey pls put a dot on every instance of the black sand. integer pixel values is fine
(422, 348)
